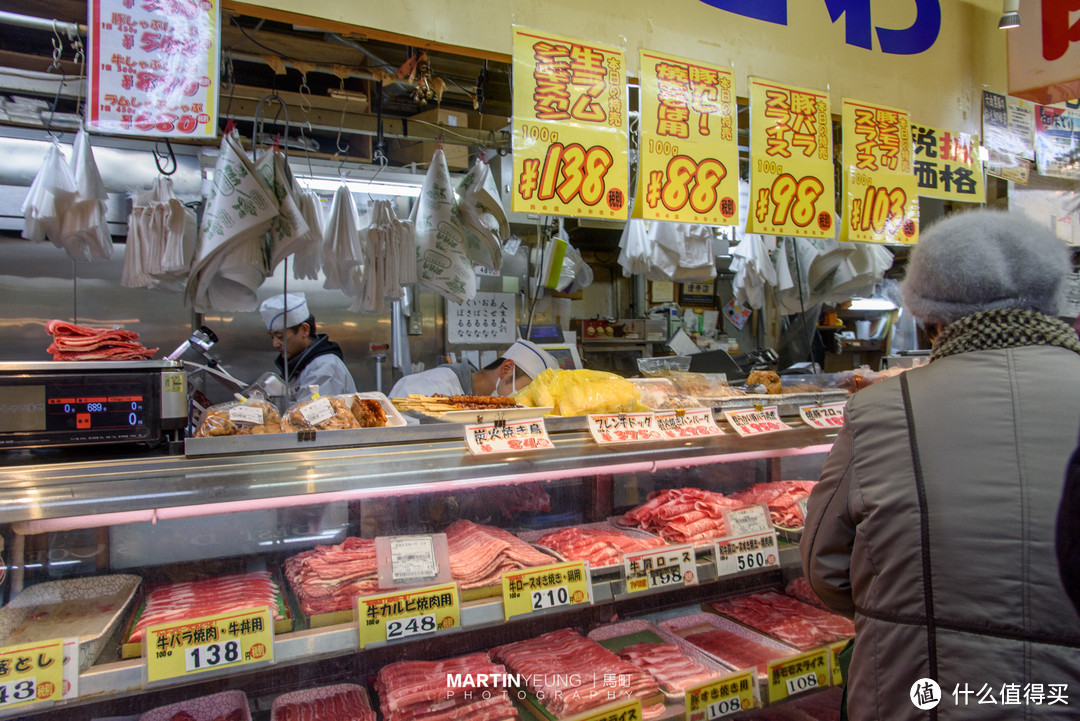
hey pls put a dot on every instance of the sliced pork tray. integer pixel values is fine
(479, 555)
(782, 617)
(424, 691)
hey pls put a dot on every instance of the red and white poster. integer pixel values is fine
(154, 67)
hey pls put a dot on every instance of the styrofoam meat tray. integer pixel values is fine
(675, 625)
(204, 708)
(90, 608)
(626, 628)
(313, 694)
(532, 537)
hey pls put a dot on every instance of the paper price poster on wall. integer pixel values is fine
(153, 67)
(570, 127)
(947, 165)
(689, 151)
(1008, 135)
(881, 204)
(1057, 142)
(791, 170)
(487, 319)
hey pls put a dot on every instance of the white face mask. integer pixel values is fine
(495, 392)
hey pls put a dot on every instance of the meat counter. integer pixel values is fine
(118, 542)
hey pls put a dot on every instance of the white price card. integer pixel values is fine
(317, 411)
(801, 683)
(212, 655)
(412, 559)
(550, 598)
(829, 415)
(687, 424)
(748, 520)
(246, 414)
(507, 437)
(660, 568)
(736, 554)
(412, 626)
(802, 507)
(755, 421)
(609, 428)
(69, 688)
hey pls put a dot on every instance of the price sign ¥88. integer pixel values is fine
(570, 127)
(32, 672)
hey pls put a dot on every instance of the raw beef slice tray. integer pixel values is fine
(617, 636)
(702, 620)
(531, 537)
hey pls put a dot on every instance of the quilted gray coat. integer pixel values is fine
(967, 579)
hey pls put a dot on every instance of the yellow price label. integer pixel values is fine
(185, 648)
(836, 676)
(796, 674)
(398, 615)
(625, 711)
(545, 587)
(31, 673)
(722, 697)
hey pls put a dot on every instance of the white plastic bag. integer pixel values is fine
(51, 194)
(442, 262)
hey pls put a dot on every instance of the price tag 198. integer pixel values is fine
(753, 422)
(660, 568)
(737, 554)
(689, 424)
(508, 437)
(609, 428)
(748, 520)
(829, 415)
(399, 615)
(722, 697)
(35, 673)
(797, 674)
(183, 648)
(543, 587)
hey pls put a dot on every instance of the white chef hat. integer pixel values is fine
(530, 358)
(284, 311)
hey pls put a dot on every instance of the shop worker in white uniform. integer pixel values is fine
(313, 358)
(514, 370)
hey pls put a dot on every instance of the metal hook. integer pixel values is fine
(257, 128)
(170, 156)
(379, 158)
(58, 48)
(305, 95)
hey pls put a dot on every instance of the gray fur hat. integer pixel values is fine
(984, 260)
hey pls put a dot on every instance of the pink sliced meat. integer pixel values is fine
(682, 515)
(329, 578)
(479, 555)
(421, 691)
(799, 588)
(793, 622)
(782, 498)
(600, 547)
(572, 673)
(75, 342)
(734, 650)
(668, 664)
(341, 704)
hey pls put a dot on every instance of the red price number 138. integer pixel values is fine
(581, 171)
(681, 172)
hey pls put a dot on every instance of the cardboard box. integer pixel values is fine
(405, 152)
(487, 122)
(439, 116)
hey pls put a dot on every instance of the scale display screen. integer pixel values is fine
(95, 408)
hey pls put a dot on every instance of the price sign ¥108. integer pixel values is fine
(798, 674)
(722, 697)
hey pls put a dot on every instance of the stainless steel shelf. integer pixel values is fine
(170, 487)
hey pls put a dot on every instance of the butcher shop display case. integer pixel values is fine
(377, 578)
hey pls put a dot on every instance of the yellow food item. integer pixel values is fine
(581, 392)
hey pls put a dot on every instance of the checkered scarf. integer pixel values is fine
(997, 329)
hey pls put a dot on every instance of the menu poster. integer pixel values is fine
(791, 169)
(689, 150)
(947, 165)
(1057, 142)
(571, 113)
(881, 203)
(154, 67)
(1007, 134)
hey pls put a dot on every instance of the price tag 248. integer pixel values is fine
(406, 627)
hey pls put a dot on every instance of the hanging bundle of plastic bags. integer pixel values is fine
(343, 259)
(51, 194)
(442, 262)
(161, 238)
(307, 257)
(389, 259)
(289, 228)
(482, 216)
(85, 234)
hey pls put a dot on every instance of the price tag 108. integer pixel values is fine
(722, 697)
(660, 568)
(829, 415)
(622, 711)
(753, 422)
(798, 674)
(35, 673)
(746, 553)
(608, 428)
(183, 648)
(398, 615)
(543, 587)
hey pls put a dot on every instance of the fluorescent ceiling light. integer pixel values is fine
(361, 186)
(871, 304)
(1010, 15)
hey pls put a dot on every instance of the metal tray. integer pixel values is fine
(90, 608)
(787, 404)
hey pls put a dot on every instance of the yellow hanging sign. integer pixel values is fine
(689, 150)
(570, 127)
(791, 169)
(881, 202)
(947, 165)
(31, 672)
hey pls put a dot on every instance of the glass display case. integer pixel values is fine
(99, 536)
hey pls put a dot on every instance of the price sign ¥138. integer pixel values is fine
(183, 648)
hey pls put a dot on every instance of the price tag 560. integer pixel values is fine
(550, 598)
(212, 655)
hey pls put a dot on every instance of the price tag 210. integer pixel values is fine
(550, 598)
